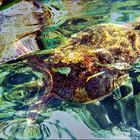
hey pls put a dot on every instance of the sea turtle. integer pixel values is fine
(88, 67)
(98, 57)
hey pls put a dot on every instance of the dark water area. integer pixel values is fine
(29, 106)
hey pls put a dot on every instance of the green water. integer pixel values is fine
(21, 87)
(83, 14)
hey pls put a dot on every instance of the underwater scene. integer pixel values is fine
(69, 69)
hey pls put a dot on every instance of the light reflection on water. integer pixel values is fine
(106, 119)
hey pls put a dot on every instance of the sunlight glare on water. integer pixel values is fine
(81, 80)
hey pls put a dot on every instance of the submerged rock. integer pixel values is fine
(19, 25)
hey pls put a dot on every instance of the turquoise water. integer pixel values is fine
(23, 115)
